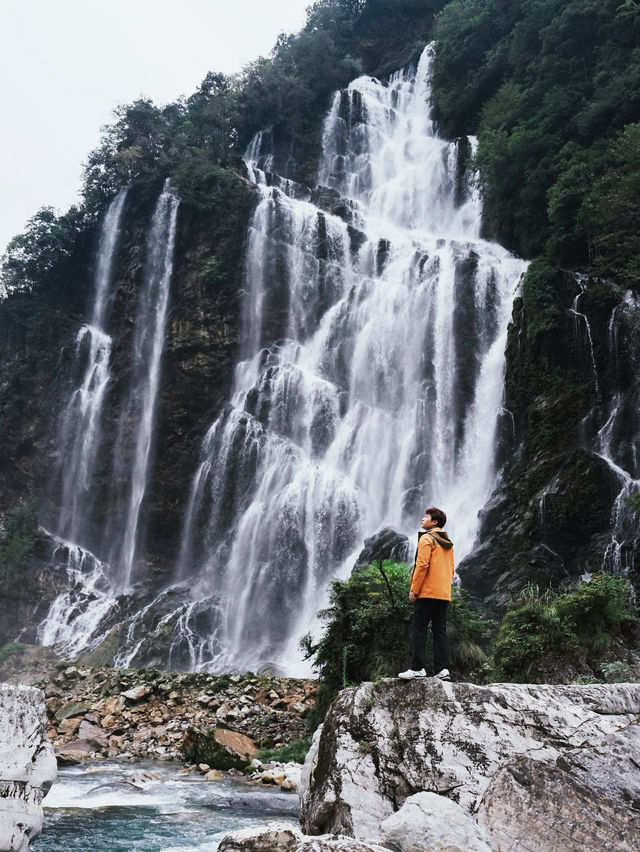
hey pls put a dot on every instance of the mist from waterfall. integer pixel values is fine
(371, 378)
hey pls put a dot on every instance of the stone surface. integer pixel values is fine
(277, 836)
(137, 693)
(541, 808)
(427, 821)
(27, 765)
(381, 744)
(385, 544)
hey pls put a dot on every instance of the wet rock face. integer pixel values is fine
(27, 765)
(568, 426)
(381, 744)
(385, 544)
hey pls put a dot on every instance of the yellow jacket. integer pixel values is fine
(433, 572)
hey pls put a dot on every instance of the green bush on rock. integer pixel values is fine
(545, 628)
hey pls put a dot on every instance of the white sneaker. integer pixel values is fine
(443, 675)
(411, 673)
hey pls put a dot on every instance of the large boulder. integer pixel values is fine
(27, 765)
(428, 821)
(382, 743)
(588, 801)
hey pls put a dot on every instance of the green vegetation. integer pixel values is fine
(544, 628)
(197, 141)
(552, 89)
(9, 650)
(367, 632)
(295, 752)
(17, 538)
(542, 632)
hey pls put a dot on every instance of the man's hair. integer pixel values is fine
(437, 515)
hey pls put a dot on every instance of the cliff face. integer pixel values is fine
(41, 367)
(564, 505)
(566, 499)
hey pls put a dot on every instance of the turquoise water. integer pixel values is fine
(147, 807)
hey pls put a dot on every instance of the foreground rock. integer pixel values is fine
(287, 836)
(382, 743)
(588, 800)
(428, 821)
(27, 765)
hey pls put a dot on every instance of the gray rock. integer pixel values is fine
(284, 835)
(259, 801)
(385, 544)
(381, 744)
(276, 835)
(428, 822)
(136, 693)
(541, 808)
(28, 765)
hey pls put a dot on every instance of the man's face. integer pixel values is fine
(428, 522)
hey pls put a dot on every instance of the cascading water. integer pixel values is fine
(131, 458)
(618, 439)
(370, 383)
(81, 426)
(100, 557)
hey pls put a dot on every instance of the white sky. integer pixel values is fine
(66, 64)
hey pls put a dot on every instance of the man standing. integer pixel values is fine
(430, 593)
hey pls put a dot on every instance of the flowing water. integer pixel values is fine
(99, 543)
(371, 376)
(110, 807)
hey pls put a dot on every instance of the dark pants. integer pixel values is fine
(427, 610)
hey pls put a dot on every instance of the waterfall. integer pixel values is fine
(81, 423)
(618, 439)
(370, 381)
(132, 453)
(98, 543)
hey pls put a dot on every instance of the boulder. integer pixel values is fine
(382, 743)
(427, 821)
(73, 708)
(385, 544)
(28, 765)
(259, 802)
(589, 799)
(137, 693)
(285, 836)
(541, 808)
(277, 835)
(93, 735)
(220, 748)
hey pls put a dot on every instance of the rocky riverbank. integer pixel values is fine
(210, 723)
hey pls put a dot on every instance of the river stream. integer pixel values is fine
(150, 807)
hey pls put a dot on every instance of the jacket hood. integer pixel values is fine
(440, 536)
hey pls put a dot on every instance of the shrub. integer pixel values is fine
(540, 626)
(295, 752)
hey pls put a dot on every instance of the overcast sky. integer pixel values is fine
(66, 64)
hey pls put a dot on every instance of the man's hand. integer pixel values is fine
(412, 597)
